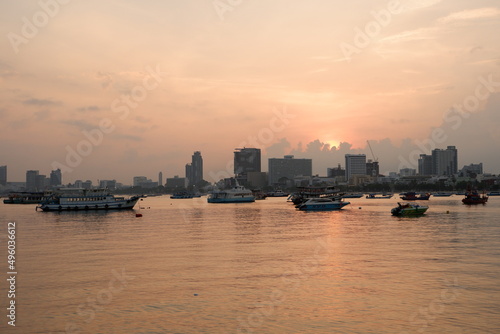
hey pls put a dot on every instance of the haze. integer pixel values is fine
(162, 79)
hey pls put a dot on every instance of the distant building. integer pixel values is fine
(3, 175)
(86, 185)
(355, 164)
(256, 180)
(335, 172)
(472, 170)
(246, 160)
(56, 178)
(372, 168)
(407, 172)
(107, 184)
(176, 182)
(286, 169)
(194, 170)
(138, 180)
(31, 180)
(425, 164)
(160, 178)
(42, 182)
(445, 162)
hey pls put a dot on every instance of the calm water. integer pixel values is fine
(191, 267)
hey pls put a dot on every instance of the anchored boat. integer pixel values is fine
(86, 199)
(473, 197)
(409, 209)
(322, 204)
(238, 194)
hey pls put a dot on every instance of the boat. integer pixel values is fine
(494, 193)
(181, 195)
(413, 196)
(359, 195)
(259, 195)
(237, 194)
(322, 204)
(306, 193)
(442, 194)
(473, 197)
(409, 209)
(26, 197)
(375, 196)
(277, 193)
(75, 199)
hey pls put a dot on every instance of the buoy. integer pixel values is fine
(360, 208)
(138, 214)
(196, 294)
(447, 211)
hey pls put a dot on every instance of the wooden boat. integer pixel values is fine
(472, 197)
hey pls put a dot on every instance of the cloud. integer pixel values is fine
(40, 102)
(88, 108)
(468, 15)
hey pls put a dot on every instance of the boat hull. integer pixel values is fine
(323, 206)
(231, 200)
(116, 205)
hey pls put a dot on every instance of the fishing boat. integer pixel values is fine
(413, 196)
(409, 209)
(442, 194)
(26, 197)
(237, 194)
(375, 196)
(322, 204)
(473, 197)
(86, 199)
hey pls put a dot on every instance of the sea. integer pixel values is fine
(187, 266)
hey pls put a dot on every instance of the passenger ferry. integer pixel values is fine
(86, 199)
(238, 194)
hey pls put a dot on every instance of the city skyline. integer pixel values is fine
(440, 162)
(136, 88)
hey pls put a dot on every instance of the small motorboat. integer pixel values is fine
(322, 204)
(375, 196)
(409, 209)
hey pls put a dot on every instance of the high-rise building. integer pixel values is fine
(55, 178)
(472, 170)
(335, 172)
(355, 164)
(107, 184)
(246, 160)
(425, 164)
(372, 168)
(42, 182)
(31, 180)
(138, 180)
(160, 178)
(281, 170)
(196, 168)
(445, 162)
(3, 175)
(189, 174)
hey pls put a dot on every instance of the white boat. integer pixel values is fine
(322, 204)
(238, 194)
(86, 199)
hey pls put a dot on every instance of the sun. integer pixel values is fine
(333, 142)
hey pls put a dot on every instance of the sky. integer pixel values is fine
(116, 89)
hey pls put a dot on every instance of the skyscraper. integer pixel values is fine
(246, 160)
(355, 164)
(281, 170)
(196, 168)
(425, 164)
(3, 175)
(445, 162)
(160, 178)
(55, 178)
(31, 180)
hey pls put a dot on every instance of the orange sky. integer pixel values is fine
(171, 78)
